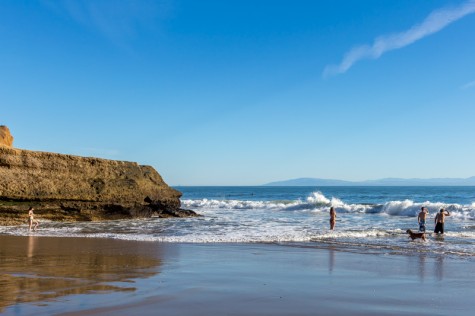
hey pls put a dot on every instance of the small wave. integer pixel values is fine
(394, 239)
(411, 208)
(356, 234)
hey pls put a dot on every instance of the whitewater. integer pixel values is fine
(369, 219)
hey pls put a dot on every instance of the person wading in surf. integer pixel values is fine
(440, 220)
(332, 217)
(421, 218)
(31, 219)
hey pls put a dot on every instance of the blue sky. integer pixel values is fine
(245, 92)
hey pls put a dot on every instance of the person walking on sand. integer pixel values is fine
(332, 217)
(440, 220)
(421, 219)
(31, 219)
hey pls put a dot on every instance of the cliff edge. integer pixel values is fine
(66, 187)
(6, 139)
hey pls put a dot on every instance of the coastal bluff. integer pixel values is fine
(6, 139)
(73, 188)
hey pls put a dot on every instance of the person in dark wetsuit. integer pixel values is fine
(440, 220)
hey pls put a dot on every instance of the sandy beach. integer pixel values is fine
(88, 276)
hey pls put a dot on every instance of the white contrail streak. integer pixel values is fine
(468, 85)
(435, 21)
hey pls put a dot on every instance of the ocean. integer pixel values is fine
(369, 219)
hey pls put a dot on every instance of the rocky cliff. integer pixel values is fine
(6, 139)
(66, 187)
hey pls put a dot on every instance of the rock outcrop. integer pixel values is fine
(66, 187)
(6, 139)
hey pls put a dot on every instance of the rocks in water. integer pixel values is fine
(81, 188)
(6, 139)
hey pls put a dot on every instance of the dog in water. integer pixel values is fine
(414, 235)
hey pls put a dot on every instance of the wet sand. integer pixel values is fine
(85, 276)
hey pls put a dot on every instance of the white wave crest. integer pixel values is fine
(317, 198)
(238, 204)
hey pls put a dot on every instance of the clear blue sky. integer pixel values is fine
(245, 92)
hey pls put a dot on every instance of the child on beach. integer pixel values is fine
(31, 219)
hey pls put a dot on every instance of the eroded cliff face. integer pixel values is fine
(83, 188)
(6, 139)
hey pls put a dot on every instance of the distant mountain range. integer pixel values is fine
(381, 182)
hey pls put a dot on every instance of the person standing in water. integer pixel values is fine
(332, 217)
(440, 220)
(421, 219)
(31, 219)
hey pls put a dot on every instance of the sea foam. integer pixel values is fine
(318, 202)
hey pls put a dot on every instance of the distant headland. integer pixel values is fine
(380, 182)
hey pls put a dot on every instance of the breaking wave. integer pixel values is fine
(317, 202)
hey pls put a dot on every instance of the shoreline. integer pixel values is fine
(93, 276)
(14, 213)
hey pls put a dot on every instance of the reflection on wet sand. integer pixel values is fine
(422, 266)
(331, 259)
(427, 268)
(439, 268)
(35, 269)
(31, 246)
